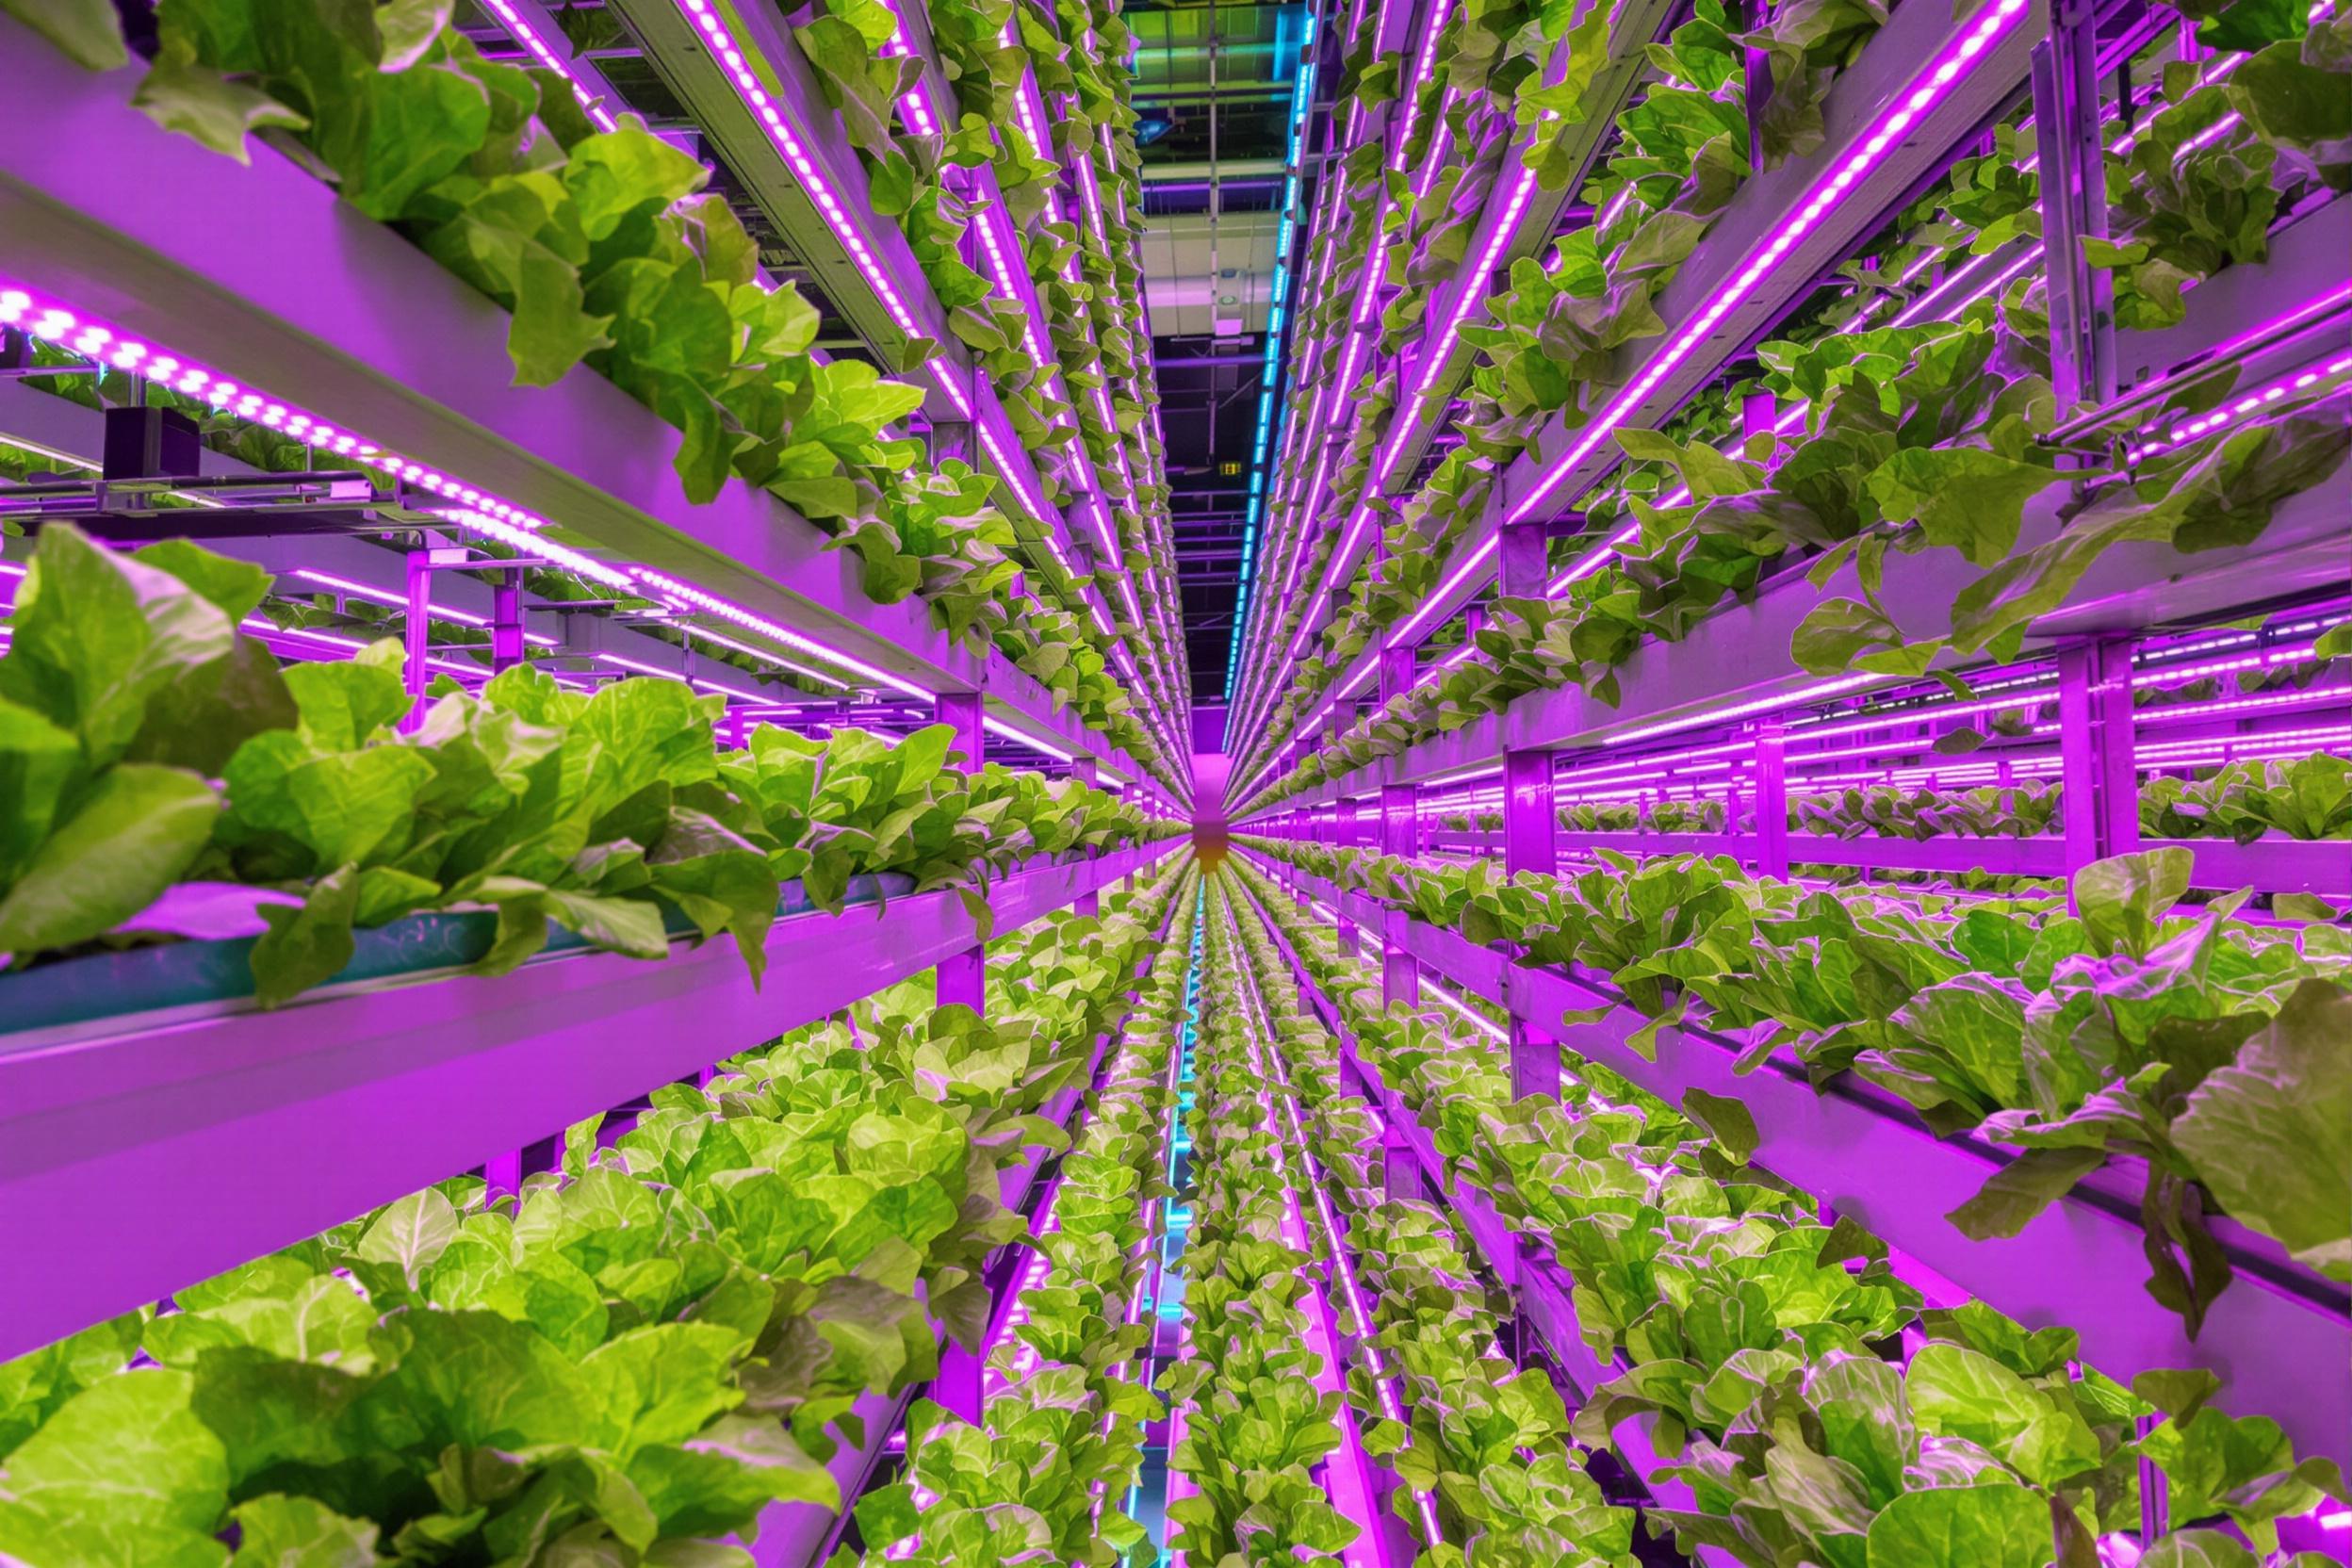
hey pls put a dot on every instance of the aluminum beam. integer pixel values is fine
(245, 1130)
(335, 312)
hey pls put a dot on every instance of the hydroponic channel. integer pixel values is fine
(1353, 782)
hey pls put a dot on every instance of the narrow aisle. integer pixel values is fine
(1477, 1441)
(1028, 1439)
(1716, 1329)
(1265, 1454)
(1148, 1498)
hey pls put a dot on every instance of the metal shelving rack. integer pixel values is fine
(340, 314)
(1855, 104)
(1720, 666)
(237, 1125)
(810, 183)
(1860, 1151)
(245, 1130)
(804, 1535)
(1519, 219)
(1539, 1288)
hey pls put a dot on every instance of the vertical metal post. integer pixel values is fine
(416, 632)
(1523, 562)
(1771, 805)
(506, 621)
(1344, 827)
(1530, 846)
(1531, 819)
(1401, 975)
(963, 977)
(1396, 671)
(957, 1388)
(2074, 207)
(952, 438)
(1084, 771)
(1760, 413)
(2100, 810)
(1401, 1177)
(504, 1172)
(962, 981)
(2155, 1493)
(960, 711)
(1530, 813)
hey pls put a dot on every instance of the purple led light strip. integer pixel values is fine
(1826, 195)
(1593, 560)
(717, 639)
(1030, 109)
(916, 105)
(754, 93)
(54, 322)
(1431, 31)
(478, 517)
(1006, 281)
(1296, 432)
(2231, 412)
(525, 34)
(2026, 256)
(686, 593)
(1375, 1364)
(1505, 233)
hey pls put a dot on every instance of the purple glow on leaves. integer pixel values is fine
(528, 36)
(754, 96)
(1825, 196)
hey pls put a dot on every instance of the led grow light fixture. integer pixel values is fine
(1297, 431)
(1505, 233)
(806, 672)
(51, 322)
(385, 596)
(998, 728)
(756, 94)
(999, 248)
(537, 544)
(528, 36)
(1824, 196)
(1301, 99)
(666, 586)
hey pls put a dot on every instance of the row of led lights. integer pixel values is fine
(470, 507)
(2295, 382)
(1823, 198)
(922, 120)
(746, 82)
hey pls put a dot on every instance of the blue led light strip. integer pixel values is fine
(1301, 98)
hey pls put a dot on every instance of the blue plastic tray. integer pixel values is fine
(177, 974)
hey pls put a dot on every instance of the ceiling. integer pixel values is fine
(1215, 84)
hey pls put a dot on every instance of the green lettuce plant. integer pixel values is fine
(156, 744)
(2068, 1037)
(1757, 1342)
(627, 1361)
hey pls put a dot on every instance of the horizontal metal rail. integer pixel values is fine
(143, 1153)
(1857, 1149)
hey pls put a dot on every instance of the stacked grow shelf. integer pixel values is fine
(1597, 1211)
(429, 750)
(1498, 698)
